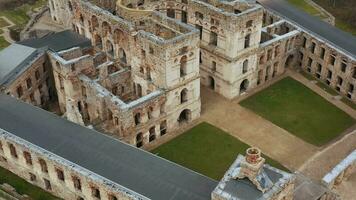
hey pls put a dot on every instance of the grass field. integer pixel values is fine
(3, 43)
(18, 15)
(344, 13)
(23, 187)
(306, 7)
(294, 107)
(205, 149)
(3, 23)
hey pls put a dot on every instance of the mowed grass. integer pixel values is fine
(23, 187)
(206, 149)
(3, 43)
(294, 107)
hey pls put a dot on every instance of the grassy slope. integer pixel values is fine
(23, 187)
(344, 12)
(18, 15)
(205, 149)
(3, 43)
(341, 12)
(292, 106)
(304, 6)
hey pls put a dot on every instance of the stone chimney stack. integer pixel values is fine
(253, 156)
(252, 168)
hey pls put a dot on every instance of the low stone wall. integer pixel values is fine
(331, 18)
(341, 171)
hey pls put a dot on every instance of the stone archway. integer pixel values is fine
(185, 116)
(289, 61)
(244, 86)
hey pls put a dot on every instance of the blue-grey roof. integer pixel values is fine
(14, 59)
(135, 169)
(344, 41)
(58, 41)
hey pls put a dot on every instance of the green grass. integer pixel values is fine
(308, 76)
(344, 13)
(206, 149)
(18, 15)
(3, 43)
(3, 23)
(294, 107)
(327, 88)
(349, 103)
(23, 187)
(345, 26)
(301, 4)
(319, 83)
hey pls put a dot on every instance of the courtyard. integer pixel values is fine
(292, 106)
(206, 149)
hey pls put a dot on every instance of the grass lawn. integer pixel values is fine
(3, 43)
(23, 187)
(294, 107)
(205, 149)
(3, 23)
(301, 4)
(18, 15)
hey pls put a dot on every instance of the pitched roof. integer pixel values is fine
(135, 169)
(13, 59)
(58, 41)
(338, 38)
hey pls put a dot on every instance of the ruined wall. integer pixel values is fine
(56, 175)
(35, 85)
(328, 64)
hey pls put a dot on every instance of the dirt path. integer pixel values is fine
(6, 30)
(323, 161)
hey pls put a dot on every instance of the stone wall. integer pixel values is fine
(34, 86)
(56, 175)
(341, 171)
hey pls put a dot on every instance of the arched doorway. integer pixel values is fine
(211, 83)
(243, 86)
(289, 61)
(184, 116)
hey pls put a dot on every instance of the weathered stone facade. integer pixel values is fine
(56, 175)
(140, 81)
(241, 44)
(34, 86)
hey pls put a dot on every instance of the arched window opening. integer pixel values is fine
(184, 96)
(184, 116)
(245, 66)
(243, 86)
(139, 140)
(183, 66)
(152, 132)
(137, 119)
